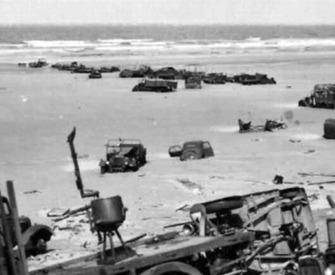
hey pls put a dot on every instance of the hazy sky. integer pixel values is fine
(167, 11)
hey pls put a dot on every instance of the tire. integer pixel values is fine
(224, 204)
(290, 193)
(172, 268)
(41, 246)
(191, 155)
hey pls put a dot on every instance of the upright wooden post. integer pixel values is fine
(8, 238)
(3, 261)
(17, 228)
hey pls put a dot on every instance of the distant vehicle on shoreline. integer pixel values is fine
(155, 85)
(322, 96)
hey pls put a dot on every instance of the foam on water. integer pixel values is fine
(225, 129)
(188, 45)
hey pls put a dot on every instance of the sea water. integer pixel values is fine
(24, 43)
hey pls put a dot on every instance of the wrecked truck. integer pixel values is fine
(155, 85)
(34, 236)
(263, 232)
(322, 96)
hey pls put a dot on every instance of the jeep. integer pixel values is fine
(123, 155)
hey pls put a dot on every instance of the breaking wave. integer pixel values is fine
(143, 46)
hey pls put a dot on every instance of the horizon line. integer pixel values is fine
(168, 24)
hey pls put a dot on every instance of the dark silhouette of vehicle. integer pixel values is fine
(123, 155)
(143, 71)
(82, 69)
(111, 69)
(192, 150)
(193, 82)
(34, 236)
(215, 78)
(253, 79)
(167, 73)
(322, 96)
(94, 74)
(39, 64)
(66, 67)
(155, 85)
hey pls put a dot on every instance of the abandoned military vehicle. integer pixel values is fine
(322, 96)
(192, 150)
(123, 155)
(268, 232)
(254, 79)
(143, 71)
(34, 236)
(193, 82)
(156, 85)
(215, 78)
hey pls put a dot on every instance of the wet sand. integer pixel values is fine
(39, 108)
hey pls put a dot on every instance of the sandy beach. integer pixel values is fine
(40, 107)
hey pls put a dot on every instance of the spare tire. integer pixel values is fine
(224, 204)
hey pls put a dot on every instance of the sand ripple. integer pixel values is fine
(225, 129)
(307, 136)
(85, 165)
(289, 105)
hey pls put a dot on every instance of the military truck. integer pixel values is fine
(322, 96)
(253, 79)
(193, 81)
(156, 85)
(123, 155)
(215, 78)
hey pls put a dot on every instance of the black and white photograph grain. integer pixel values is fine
(167, 137)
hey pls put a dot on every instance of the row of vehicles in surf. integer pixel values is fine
(162, 79)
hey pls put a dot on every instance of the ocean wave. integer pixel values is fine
(138, 46)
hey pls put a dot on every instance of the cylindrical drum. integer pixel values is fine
(108, 213)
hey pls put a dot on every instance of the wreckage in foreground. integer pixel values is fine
(263, 232)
